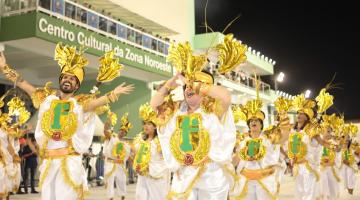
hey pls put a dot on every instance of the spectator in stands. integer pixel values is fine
(30, 154)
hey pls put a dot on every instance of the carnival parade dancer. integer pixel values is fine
(350, 157)
(10, 131)
(305, 144)
(331, 158)
(65, 123)
(117, 151)
(153, 176)
(259, 152)
(198, 136)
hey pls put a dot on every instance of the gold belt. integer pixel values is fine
(302, 161)
(117, 161)
(327, 163)
(59, 153)
(257, 174)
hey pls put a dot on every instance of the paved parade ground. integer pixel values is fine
(286, 193)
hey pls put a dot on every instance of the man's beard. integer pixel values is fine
(68, 90)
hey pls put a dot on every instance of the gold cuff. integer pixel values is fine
(10, 73)
(112, 97)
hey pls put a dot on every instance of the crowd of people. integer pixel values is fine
(188, 149)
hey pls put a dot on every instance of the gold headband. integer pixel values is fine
(203, 77)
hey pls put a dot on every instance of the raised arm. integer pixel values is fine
(13, 76)
(158, 98)
(109, 97)
(222, 94)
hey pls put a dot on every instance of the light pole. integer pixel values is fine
(280, 78)
(307, 93)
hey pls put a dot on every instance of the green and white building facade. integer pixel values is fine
(30, 29)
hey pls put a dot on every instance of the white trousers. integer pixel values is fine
(256, 192)
(119, 178)
(348, 176)
(306, 185)
(152, 189)
(3, 186)
(213, 184)
(55, 185)
(330, 186)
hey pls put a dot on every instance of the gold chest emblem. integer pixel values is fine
(59, 122)
(190, 143)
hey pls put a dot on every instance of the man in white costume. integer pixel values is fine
(116, 151)
(198, 137)
(65, 125)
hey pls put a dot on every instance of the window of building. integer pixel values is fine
(58, 6)
(81, 15)
(70, 10)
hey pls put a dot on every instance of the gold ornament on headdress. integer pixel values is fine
(252, 108)
(350, 129)
(303, 105)
(17, 108)
(324, 101)
(182, 58)
(147, 113)
(231, 54)
(334, 122)
(70, 61)
(125, 124)
(109, 67)
(239, 113)
(113, 118)
(283, 105)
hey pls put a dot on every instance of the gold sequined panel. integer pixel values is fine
(190, 143)
(59, 122)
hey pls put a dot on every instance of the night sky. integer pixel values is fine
(309, 42)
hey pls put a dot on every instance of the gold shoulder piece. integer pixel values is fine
(312, 129)
(41, 93)
(211, 105)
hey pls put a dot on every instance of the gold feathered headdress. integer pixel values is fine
(350, 129)
(252, 108)
(147, 113)
(302, 105)
(182, 58)
(334, 122)
(125, 124)
(17, 116)
(70, 61)
(112, 117)
(231, 54)
(109, 67)
(17, 109)
(283, 105)
(324, 101)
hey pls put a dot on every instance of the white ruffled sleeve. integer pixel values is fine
(82, 139)
(223, 137)
(108, 145)
(164, 133)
